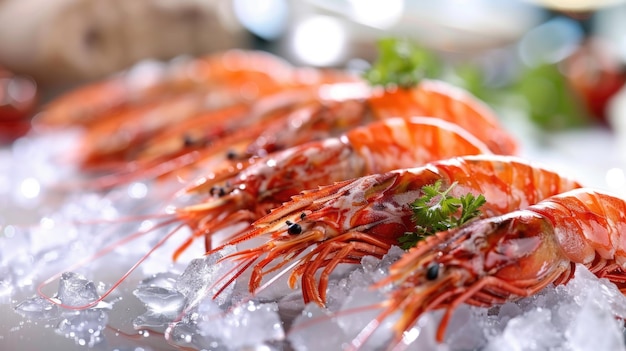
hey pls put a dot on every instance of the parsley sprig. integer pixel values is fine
(436, 210)
(401, 63)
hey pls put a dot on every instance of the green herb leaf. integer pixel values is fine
(436, 210)
(403, 64)
(470, 206)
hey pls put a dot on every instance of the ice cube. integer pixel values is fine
(532, 330)
(163, 306)
(315, 329)
(75, 290)
(206, 276)
(465, 331)
(394, 254)
(422, 336)
(596, 303)
(577, 316)
(37, 308)
(153, 321)
(259, 323)
(166, 280)
(509, 310)
(160, 300)
(290, 307)
(361, 307)
(184, 334)
(595, 328)
(372, 269)
(607, 295)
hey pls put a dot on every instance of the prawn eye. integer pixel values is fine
(219, 191)
(188, 140)
(293, 228)
(231, 154)
(432, 272)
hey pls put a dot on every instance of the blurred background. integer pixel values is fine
(554, 70)
(558, 64)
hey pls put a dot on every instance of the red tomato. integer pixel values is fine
(596, 74)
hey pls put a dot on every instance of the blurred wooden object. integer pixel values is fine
(69, 41)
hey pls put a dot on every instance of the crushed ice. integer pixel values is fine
(84, 326)
(578, 316)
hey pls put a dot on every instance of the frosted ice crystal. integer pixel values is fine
(259, 323)
(577, 316)
(358, 310)
(595, 328)
(163, 306)
(37, 308)
(532, 330)
(75, 290)
(185, 334)
(372, 270)
(168, 297)
(315, 329)
(83, 326)
(160, 299)
(353, 305)
(165, 280)
(206, 276)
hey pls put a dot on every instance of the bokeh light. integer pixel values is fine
(319, 41)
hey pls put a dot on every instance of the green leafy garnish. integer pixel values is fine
(403, 64)
(436, 210)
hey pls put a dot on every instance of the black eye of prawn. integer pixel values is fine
(219, 191)
(432, 272)
(231, 154)
(188, 140)
(293, 228)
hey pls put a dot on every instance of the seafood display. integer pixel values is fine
(366, 216)
(507, 257)
(294, 181)
(247, 193)
(237, 105)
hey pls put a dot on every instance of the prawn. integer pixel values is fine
(247, 196)
(381, 146)
(429, 98)
(219, 108)
(275, 123)
(146, 83)
(141, 111)
(342, 223)
(441, 99)
(504, 258)
(132, 131)
(193, 150)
